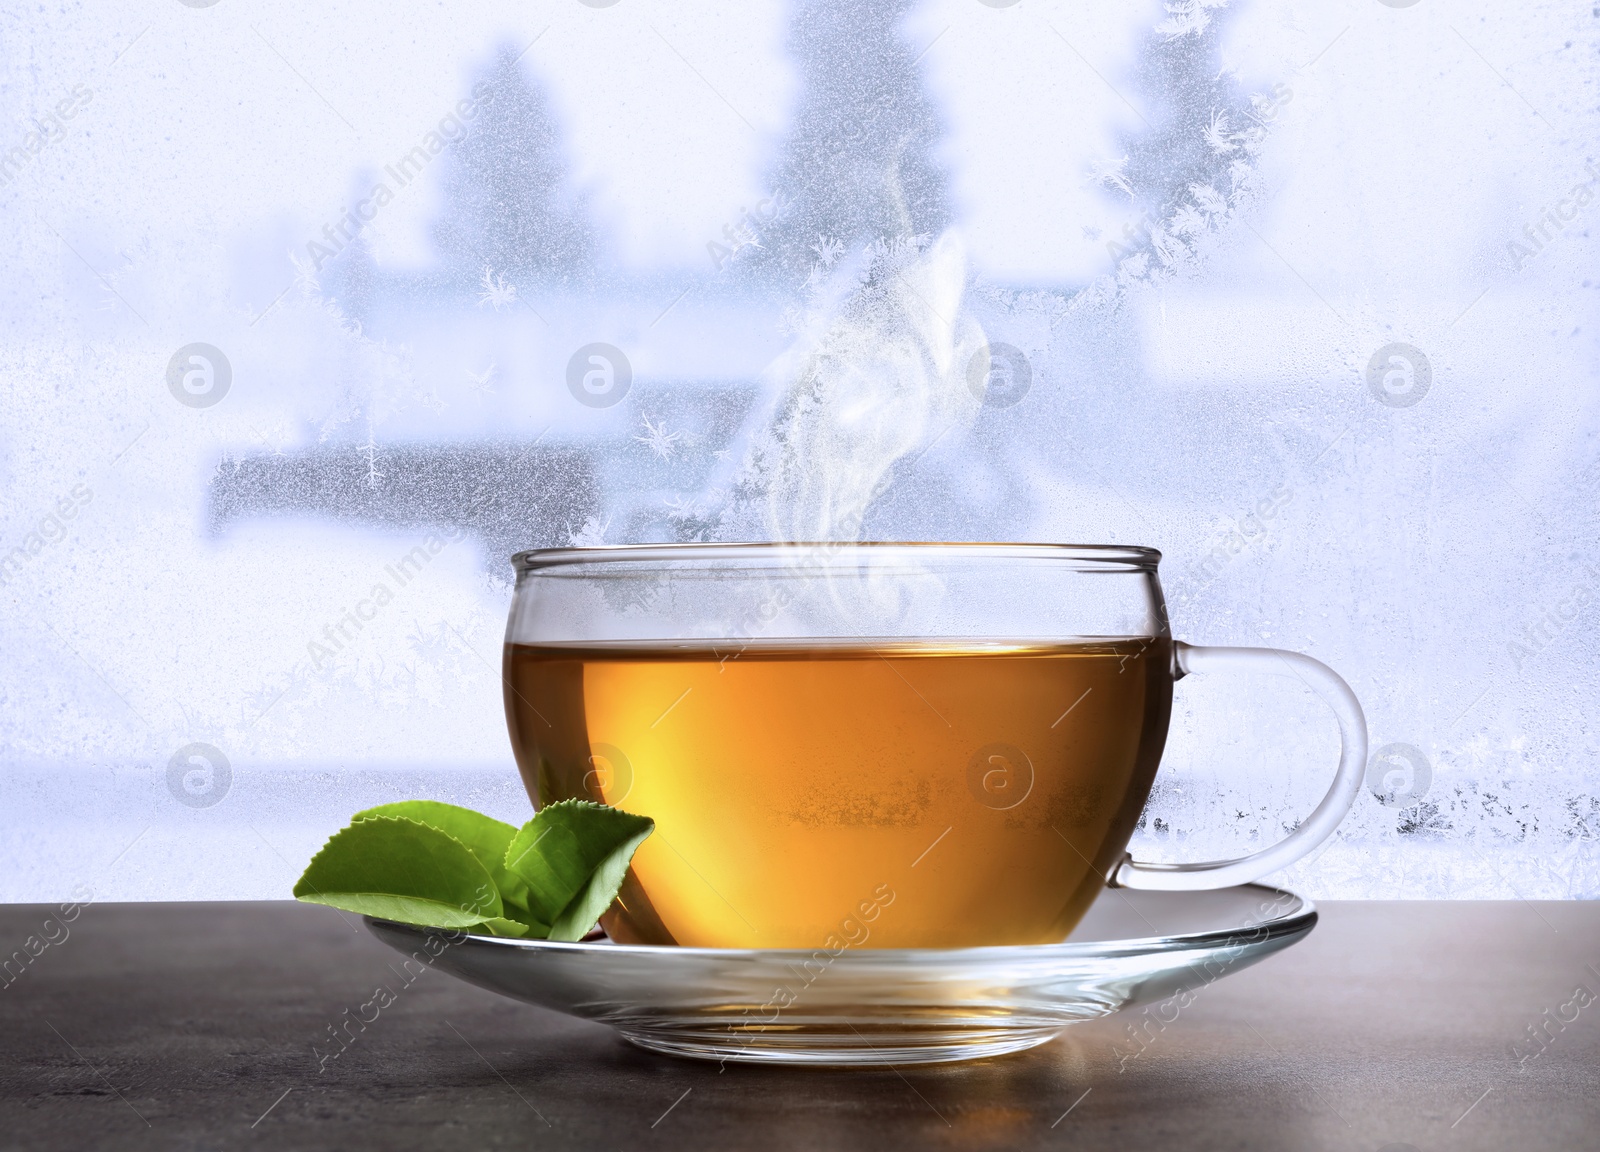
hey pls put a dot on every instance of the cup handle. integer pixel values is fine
(1317, 827)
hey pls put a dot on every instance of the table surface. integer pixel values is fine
(1392, 1025)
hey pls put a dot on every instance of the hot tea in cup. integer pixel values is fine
(858, 745)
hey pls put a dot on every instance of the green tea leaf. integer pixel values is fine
(485, 837)
(573, 856)
(499, 926)
(401, 869)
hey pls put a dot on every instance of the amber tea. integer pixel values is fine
(827, 793)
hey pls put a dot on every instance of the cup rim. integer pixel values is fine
(1092, 557)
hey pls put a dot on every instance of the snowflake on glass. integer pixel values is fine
(369, 451)
(405, 682)
(481, 383)
(1167, 250)
(1217, 135)
(828, 250)
(742, 235)
(305, 275)
(696, 517)
(306, 280)
(1188, 221)
(656, 438)
(1134, 267)
(1208, 199)
(902, 247)
(431, 644)
(1188, 17)
(682, 508)
(591, 535)
(263, 698)
(496, 291)
(1113, 173)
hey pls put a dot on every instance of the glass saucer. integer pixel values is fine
(880, 1006)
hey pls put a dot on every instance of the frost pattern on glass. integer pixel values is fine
(297, 353)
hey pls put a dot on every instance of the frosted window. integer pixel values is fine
(311, 319)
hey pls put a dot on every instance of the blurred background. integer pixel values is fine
(301, 301)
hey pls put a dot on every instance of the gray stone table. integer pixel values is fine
(191, 1026)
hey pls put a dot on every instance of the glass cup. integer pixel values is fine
(870, 745)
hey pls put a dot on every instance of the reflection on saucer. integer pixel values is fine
(887, 1006)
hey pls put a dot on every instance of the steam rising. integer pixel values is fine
(880, 367)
